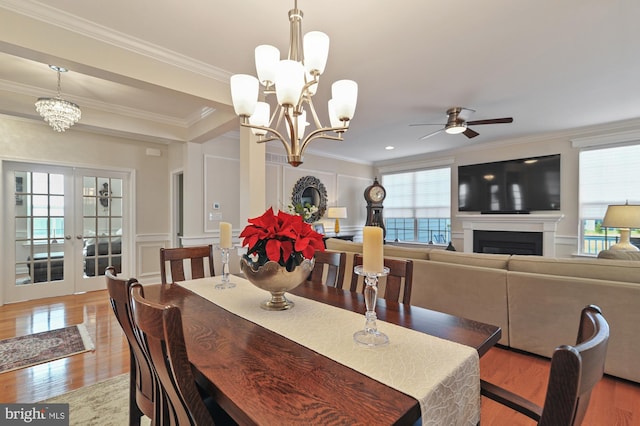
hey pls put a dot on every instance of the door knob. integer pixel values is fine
(79, 237)
(67, 237)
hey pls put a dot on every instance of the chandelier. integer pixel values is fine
(293, 81)
(59, 113)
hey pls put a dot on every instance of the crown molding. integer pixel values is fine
(52, 16)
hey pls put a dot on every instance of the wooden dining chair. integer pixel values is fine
(162, 337)
(176, 257)
(143, 387)
(575, 370)
(398, 269)
(336, 264)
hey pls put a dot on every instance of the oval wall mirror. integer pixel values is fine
(310, 190)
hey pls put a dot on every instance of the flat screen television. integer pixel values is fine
(513, 186)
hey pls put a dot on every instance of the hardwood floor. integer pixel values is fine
(614, 401)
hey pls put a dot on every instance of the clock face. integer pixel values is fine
(377, 193)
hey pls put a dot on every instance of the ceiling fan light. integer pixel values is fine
(289, 82)
(316, 51)
(267, 58)
(244, 94)
(345, 96)
(456, 129)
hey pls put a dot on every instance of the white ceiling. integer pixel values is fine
(137, 67)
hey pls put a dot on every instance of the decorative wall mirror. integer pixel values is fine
(310, 190)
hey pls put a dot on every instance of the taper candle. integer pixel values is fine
(372, 252)
(225, 235)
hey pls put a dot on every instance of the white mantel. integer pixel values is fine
(545, 223)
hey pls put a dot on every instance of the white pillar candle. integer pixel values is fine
(372, 252)
(225, 235)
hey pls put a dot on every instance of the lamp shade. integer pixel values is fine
(244, 94)
(267, 58)
(337, 212)
(289, 82)
(622, 216)
(345, 96)
(316, 51)
(260, 117)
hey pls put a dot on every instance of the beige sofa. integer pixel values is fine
(536, 300)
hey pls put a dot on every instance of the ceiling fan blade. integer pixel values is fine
(427, 124)
(491, 121)
(430, 134)
(470, 133)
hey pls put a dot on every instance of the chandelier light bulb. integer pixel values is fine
(316, 51)
(260, 117)
(345, 96)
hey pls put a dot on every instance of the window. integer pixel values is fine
(418, 206)
(606, 177)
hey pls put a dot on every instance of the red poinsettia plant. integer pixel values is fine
(283, 238)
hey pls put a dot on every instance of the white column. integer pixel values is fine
(252, 176)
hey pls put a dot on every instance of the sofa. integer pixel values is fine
(102, 256)
(536, 300)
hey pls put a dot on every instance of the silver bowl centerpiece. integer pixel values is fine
(276, 279)
(280, 254)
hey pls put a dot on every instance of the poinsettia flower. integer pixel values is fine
(283, 238)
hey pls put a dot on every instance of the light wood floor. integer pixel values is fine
(614, 401)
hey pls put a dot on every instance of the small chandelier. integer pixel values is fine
(294, 81)
(59, 113)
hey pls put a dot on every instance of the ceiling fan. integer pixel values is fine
(457, 124)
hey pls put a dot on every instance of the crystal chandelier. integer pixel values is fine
(294, 81)
(59, 113)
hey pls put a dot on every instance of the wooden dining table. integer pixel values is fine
(261, 377)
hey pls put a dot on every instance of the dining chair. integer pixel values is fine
(575, 370)
(143, 388)
(176, 257)
(336, 264)
(162, 337)
(398, 269)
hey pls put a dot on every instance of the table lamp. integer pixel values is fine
(337, 213)
(624, 217)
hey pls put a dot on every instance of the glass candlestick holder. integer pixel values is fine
(226, 283)
(370, 336)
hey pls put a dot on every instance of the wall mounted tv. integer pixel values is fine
(513, 186)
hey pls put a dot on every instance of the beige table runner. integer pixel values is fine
(443, 376)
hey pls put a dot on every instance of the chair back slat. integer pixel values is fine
(335, 262)
(195, 256)
(400, 271)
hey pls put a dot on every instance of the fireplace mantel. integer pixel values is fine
(545, 223)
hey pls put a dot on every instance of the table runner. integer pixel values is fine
(443, 376)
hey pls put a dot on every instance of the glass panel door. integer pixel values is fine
(101, 221)
(38, 208)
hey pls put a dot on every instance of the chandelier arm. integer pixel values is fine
(320, 134)
(278, 135)
(316, 120)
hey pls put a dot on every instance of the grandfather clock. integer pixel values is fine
(374, 195)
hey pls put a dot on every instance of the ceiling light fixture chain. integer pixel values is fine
(59, 113)
(293, 82)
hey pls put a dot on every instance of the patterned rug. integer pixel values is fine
(103, 404)
(38, 348)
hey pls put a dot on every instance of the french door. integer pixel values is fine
(67, 225)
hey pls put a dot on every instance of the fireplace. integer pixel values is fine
(544, 224)
(507, 242)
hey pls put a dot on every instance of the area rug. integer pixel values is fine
(38, 348)
(103, 404)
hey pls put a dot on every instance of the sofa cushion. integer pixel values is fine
(336, 244)
(406, 252)
(487, 260)
(619, 254)
(599, 269)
